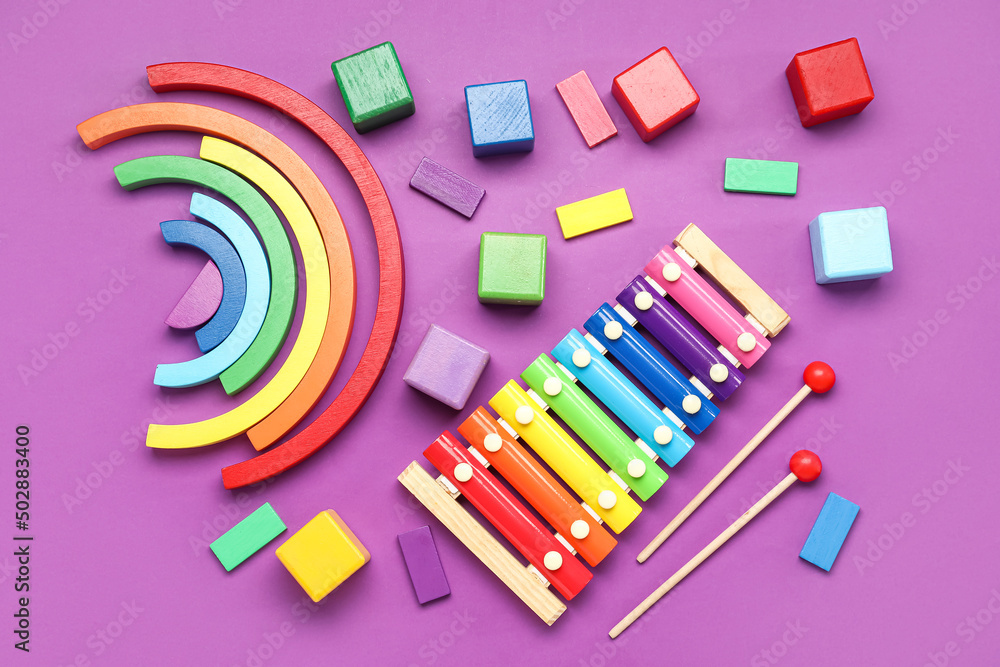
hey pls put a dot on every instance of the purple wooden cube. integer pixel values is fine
(424, 564)
(446, 367)
(447, 187)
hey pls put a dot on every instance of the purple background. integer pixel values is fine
(887, 433)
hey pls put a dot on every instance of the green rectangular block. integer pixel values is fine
(374, 87)
(512, 268)
(588, 421)
(248, 537)
(769, 177)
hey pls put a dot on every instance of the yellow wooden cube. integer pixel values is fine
(323, 554)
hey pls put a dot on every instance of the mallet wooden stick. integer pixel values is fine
(805, 466)
(818, 378)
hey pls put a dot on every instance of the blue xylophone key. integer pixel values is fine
(664, 437)
(646, 363)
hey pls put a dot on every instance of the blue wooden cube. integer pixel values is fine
(850, 245)
(500, 118)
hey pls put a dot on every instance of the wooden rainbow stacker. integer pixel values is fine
(658, 429)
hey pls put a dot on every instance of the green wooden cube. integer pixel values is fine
(769, 177)
(512, 268)
(248, 537)
(374, 87)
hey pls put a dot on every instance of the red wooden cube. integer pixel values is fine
(655, 94)
(829, 82)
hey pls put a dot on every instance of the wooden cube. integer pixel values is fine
(829, 82)
(500, 118)
(374, 87)
(655, 94)
(850, 245)
(446, 367)
(512, 268)
(323, 554)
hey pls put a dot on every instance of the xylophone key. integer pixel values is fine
(667, 325)
(646, 363)
(588, 421)
(663, 436)
(566, 458)
(577, 526)
(707, 306)
(549, 556)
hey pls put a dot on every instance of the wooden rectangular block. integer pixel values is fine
(537, 486)
(829, 531)
(444, 185)
(586, 108)
(769, 177)
(323, 554)
(549, 556)
(248, 537)
(374, 87)
(485, 547)
(588, 215)
(424, 564)
(732, 279)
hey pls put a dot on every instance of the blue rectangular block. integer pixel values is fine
(850, 245)
(829, 531)
(651, 368)
(626, 400)
(500, 118)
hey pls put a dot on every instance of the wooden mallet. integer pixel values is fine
(805, 466)
(818, 378)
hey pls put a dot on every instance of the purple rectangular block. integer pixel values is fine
(446, 367)
(447, 187)
(681, 339)
(424, 564)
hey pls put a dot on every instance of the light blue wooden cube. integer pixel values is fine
(500, 118)
(850, 245)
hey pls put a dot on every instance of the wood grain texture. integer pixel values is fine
(500, 118)
(483, 545)
(219, 78)
(200, 300)
(227, 264)
(206, 120)
(374, 87)
(512, 268)
(850, 245)
(586, 108)
(655, 94)
(732, 279)
(446, 367)
(444, 185)
(829, 82)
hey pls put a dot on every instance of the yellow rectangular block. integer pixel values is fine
(566, 458)
(588, 215)
(323, 554)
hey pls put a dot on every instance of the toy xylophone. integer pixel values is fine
(713, 371)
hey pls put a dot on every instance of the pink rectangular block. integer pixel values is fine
(424, 564)
(586, 108)
(708, 307)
